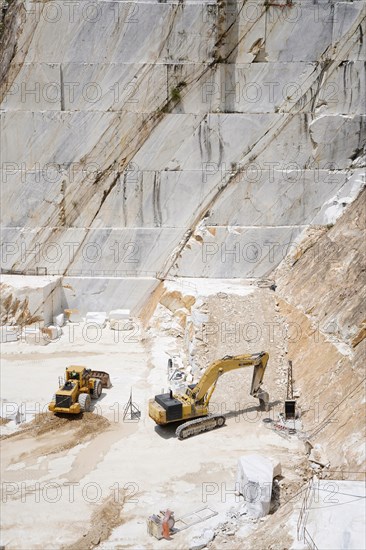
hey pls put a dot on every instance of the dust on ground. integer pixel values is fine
(106, 518)
(83, 427)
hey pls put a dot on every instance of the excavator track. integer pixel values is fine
(199, 425)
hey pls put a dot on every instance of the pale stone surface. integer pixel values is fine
(59, 320)
(132, 292)
(35, 336)
(336, 515)
(97, 318)
(127, 127)
(105, 252)
(52, 332)
(333, 208)
(74, 315)
(147, 165)
(121, 325)
(203, 540)
(9, 333)
(254, 477)
(318, 455)
(270, 197)
(44, 294)
(119, 314)
(238, 251)
(149, 32)
(235, 87)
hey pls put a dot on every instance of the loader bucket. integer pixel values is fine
(103, 376)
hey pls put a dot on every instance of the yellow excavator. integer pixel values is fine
(193, 405)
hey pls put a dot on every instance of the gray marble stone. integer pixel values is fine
(162, 128)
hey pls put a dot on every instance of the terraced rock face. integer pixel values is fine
(145, 139)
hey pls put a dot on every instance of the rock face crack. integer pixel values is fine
(156, 201)
(231, 41)
(62, 91)
(12, 24)
(106, 193)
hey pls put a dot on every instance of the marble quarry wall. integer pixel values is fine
(149, 139)
(31, 299)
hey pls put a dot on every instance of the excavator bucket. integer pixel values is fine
(103, 377)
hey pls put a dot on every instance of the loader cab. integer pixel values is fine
(77, 373)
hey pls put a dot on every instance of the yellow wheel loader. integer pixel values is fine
(77, 389)
(193, 405)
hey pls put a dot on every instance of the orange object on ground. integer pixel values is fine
(165, 524)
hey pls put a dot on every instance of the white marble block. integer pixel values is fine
(96, 317)
(119, 314)
(9, 333)
(254, 479)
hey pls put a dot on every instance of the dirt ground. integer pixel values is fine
(95, 479)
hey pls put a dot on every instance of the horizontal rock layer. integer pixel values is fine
(199, 139)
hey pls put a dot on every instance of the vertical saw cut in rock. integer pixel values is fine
(193, 405)
(182, 180)
(79, 387)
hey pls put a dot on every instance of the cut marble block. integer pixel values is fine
(121, 324)
(35, 336)
(40, 295)
(120, 319)
(119, 314)
(53, 332)
(276, 198)
(59, 320)
(73, 315)
(97, 317)
(9, 333)
(333, 208)
(254, 478)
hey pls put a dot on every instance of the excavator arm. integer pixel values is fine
(192, 405)
(204, 389)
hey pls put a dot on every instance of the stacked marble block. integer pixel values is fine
(119, 319)
(176, 148)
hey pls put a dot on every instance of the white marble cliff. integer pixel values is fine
(149, 139)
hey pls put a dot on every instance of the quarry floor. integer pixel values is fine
(65, 481)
